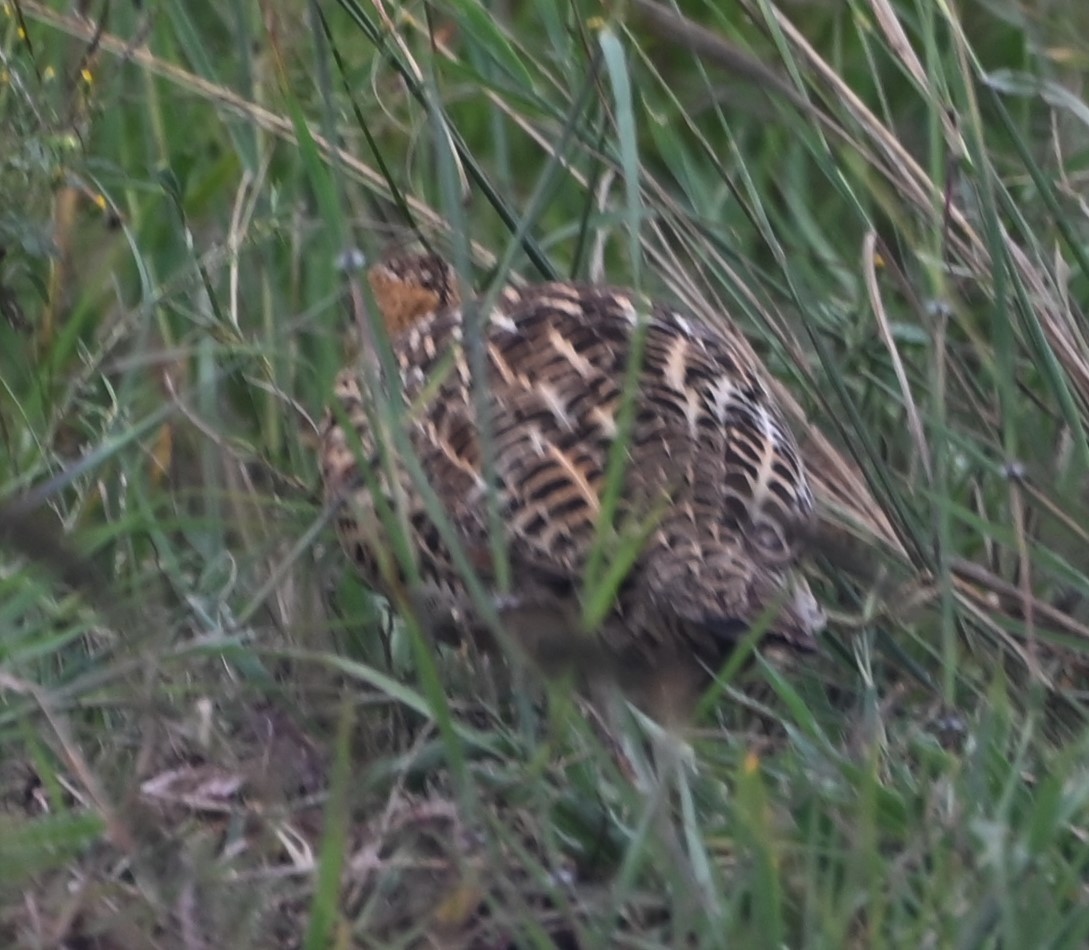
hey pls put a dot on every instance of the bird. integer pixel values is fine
(609, 427)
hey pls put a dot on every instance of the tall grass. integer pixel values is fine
(213, 734)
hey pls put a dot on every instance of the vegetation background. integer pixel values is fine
(212, 735)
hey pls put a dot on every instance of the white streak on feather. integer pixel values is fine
(627, 308)
(579, 363)
(722, 395)
(570, 308)
(464, 376)
(550, 396)
(676, 364)
(456, 460)
(510, 376)
(767, 427)
(502, 320)
(536, 440)
(693, 408)
(501, 365)
(576, 477)
(605, 421)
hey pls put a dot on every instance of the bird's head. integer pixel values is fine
(408, 287)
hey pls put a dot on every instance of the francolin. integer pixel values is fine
(713, 496)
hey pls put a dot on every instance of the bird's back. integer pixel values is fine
(711, 486)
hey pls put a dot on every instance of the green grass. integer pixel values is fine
(212, 735)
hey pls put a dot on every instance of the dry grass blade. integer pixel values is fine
(845, 503)
(990, 592)
(915, 423)
(1064, 326)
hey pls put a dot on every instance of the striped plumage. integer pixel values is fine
(713, 482)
